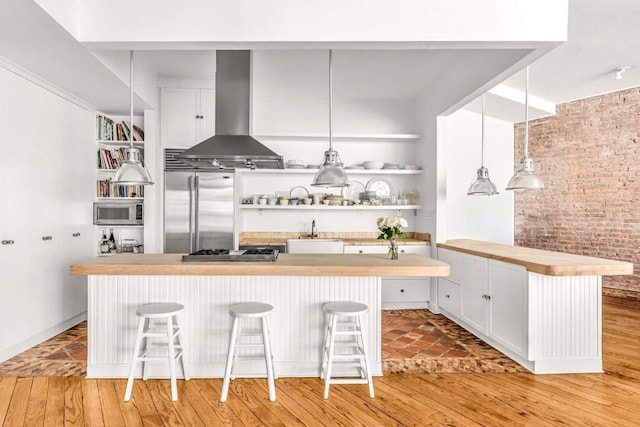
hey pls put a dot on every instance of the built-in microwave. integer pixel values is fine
(118, 212)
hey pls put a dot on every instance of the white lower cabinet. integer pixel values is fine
(449, 296)
(475, 292)
(399, 292)
(490, 299)
(508, 306)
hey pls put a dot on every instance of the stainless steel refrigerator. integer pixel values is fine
(198, 209)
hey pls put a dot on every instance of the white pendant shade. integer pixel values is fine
(132, 171)
(525, 177)
(331, 173)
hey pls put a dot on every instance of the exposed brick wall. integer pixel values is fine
(588, 156)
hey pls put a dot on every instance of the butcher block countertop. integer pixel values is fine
(254, 238)
(541, 261)
(408, 265)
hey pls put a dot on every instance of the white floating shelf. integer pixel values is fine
(326, 207)
(393, 137)
(120, 198)
(347, 171)
(119, 143)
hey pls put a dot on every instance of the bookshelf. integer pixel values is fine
(113, 135)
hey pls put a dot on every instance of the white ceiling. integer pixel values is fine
(603, 35)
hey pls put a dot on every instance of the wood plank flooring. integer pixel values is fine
(471, 399)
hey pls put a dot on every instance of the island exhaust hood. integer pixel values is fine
(232, 147)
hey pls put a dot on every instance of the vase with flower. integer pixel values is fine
(390, 230)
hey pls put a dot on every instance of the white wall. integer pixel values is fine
(477, 217)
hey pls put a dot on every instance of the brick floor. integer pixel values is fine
(412, 341)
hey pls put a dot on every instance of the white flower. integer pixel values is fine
(381, 222)
(403, 222)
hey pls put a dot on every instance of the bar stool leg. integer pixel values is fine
(172, 359)
(145, 347)
(180, 338)
(365, 358)
(227, 369)
(332, 337)
(324, 348)
(136, 353)
(268, 359)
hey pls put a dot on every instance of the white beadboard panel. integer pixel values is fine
(565, 317)
(296, 324)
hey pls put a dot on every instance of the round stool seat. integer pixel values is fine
(250, 310)
(162, 309)
(344, 308)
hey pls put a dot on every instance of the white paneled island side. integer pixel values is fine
(541, 308)
(296, 285)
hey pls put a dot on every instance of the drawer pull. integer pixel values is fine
(401, 251)
(401, 290)
(76, 234)
(487, 297)
(447, 296)
(8, 242)
(45, 238)
(360, 251)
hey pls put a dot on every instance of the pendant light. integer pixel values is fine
(331, 173)
(482, 185)
(525, 178)
(132, 171)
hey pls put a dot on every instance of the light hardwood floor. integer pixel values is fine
(608, 399)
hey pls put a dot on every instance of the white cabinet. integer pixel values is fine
(38, 296)
(187, 116)
(508, 321)
(399, 292)
(449, 296)
(487, 297)
(475, 291)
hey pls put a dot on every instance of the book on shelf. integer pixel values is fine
(106, 188)
(109, 130)
(110, 158)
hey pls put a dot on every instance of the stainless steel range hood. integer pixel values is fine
(232, 147)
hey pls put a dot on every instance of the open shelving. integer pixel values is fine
(369, 137)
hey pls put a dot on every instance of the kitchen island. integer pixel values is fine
(541, 308)
(297, 285)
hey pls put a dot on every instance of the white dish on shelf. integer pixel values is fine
(354, 167)
(391, 166)
(373, 164)
(382, 187)
(352, 192)
(299, 192)
(411, 167)
(294, 166)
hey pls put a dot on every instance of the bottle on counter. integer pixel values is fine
(112, 241)
(104, 243)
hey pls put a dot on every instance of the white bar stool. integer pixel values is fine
(338, 327)
(249, 310)
(149, 314)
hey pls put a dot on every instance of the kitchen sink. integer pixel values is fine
(315, 246)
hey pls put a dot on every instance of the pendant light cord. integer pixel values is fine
(526, 113)
(330, 100)
(131, 97)
(482, 143)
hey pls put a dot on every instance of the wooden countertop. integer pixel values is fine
(541, 261)
(262, 241)
(408, 265)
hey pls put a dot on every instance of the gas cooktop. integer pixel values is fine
(262, 254)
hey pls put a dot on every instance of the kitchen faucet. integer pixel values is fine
(314, 233)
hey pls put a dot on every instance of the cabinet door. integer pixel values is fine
(207, 126)
(449, 296)
(423, 250)
(178, 122)
(405, 289)
(508, 322)
(475, 307)
(366, 249)
(454, 259)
